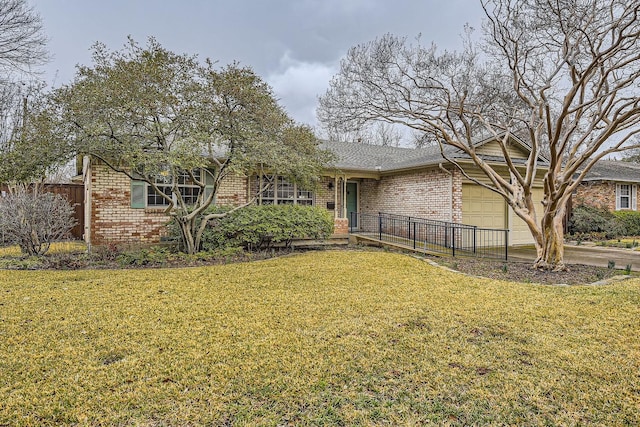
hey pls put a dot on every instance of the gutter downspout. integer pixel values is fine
(448, 172)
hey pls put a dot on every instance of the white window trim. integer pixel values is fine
(633, 205)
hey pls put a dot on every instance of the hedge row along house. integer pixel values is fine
(365, 178)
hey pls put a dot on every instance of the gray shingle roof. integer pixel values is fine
(377, 158)
(612, 170)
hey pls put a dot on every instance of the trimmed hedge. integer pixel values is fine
(260, 227)
(590, 220)
(587, 219)
(630, 221)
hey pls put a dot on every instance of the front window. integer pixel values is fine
(187, 187)
(626, 197)
(276, 190)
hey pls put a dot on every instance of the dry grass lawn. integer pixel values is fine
(325, 338)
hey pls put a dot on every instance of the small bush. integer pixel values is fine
(260, 227)
(154, 256)
(587, 219)
(590, 222)
(33, 220)
(630, 220)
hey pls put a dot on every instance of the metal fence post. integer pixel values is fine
(475, 231)
(453, 241)
(506, 245)
(446, 236)
(414, 235)
(380, 225)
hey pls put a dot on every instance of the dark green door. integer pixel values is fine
(352, 203)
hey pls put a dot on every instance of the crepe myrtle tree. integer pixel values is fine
(159, 117)
(563, 75)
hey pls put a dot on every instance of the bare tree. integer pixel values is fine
(563, 73)
(22, 39)
(22, 49)
(377, 133)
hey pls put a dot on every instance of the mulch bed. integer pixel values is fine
(577, 274)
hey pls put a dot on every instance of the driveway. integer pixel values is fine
(588, 255)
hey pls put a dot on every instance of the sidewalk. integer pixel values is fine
(588, 255)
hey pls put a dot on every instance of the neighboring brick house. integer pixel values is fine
(610, 185)
(365, 178)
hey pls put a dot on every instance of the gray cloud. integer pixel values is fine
(295, 45)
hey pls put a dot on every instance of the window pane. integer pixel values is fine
(190, 194)
(304, 195)
(267, 183)
(155, 199)
(624, 202)
(285, 190)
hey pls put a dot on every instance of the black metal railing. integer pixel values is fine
(432, 235)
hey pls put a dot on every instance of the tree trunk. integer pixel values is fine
(187, 236)
(550, 253)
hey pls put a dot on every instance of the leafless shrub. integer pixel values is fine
(34, 220)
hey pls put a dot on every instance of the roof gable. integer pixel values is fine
(515, 148)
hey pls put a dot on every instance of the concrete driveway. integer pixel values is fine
(587, 255)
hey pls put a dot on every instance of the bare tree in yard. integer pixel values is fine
(22, 48)
(564, 74)
(378, 133)
(161, 118)
(22, 40)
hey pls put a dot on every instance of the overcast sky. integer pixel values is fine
(295, 45)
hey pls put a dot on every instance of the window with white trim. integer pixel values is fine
(143, 195)
(626, 197)
(279, 191)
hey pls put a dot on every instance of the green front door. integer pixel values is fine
(352, 203)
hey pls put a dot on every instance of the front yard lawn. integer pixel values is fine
(322, 338)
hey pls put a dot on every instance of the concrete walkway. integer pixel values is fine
(587, 255)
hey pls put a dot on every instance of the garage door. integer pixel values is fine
(482, 207)
(520, 234)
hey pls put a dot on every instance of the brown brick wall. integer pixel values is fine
(597, 194)
(234, 190)
(325, 195)
(114, 221)
(457, 196)
(340, 226)
(424, 194)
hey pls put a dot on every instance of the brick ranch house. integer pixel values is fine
(365, 178)
(610, 185)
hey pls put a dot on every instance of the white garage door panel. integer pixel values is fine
(482, 207)
(520, 234)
